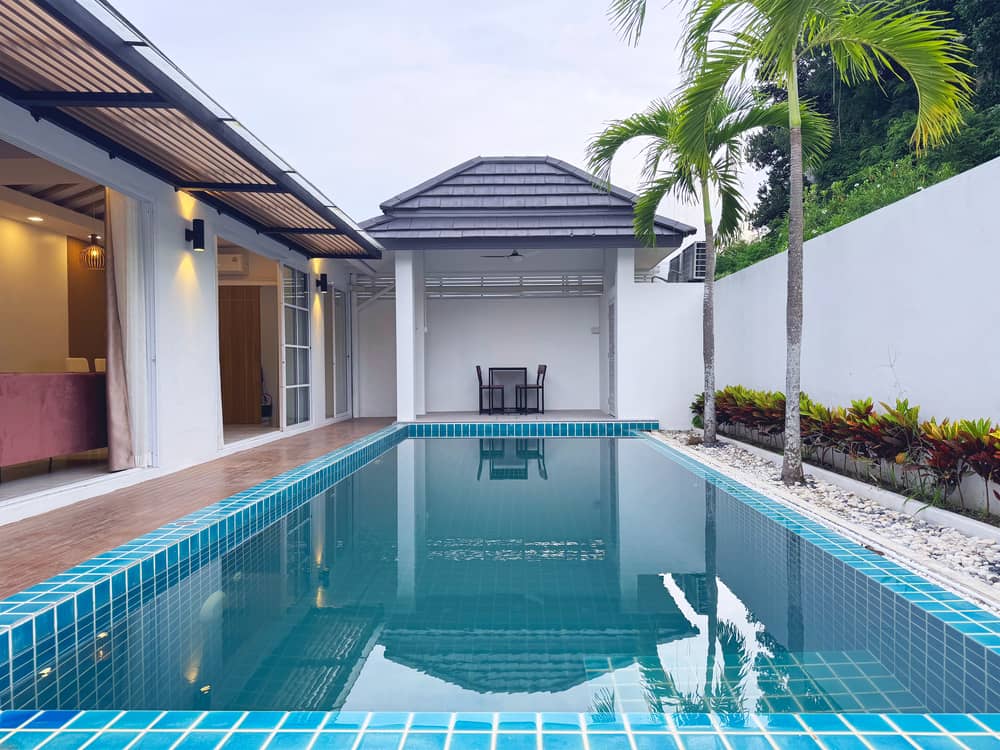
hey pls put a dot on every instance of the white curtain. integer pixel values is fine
(128, 381)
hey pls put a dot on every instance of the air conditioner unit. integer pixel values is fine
(233, 263)
(693, 262)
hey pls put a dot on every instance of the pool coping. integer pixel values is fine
(229, 522)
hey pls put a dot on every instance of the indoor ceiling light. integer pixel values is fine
(35, 219)
(92, 256)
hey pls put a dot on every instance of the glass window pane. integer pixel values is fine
(291, 377)
(302, 366)
(303, 404)
(289, 326)
(302, 327)
(291, 407)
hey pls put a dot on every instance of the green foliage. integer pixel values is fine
(842, 202)
(932, 457)
(873, 120)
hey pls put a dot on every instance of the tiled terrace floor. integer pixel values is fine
(42, 546)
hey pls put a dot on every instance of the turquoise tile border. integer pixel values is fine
(108, 730)
(528, 429)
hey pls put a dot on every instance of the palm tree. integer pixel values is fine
(726, 39)
(690, 173)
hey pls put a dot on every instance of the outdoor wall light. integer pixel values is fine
(322, 284)
(196, 235)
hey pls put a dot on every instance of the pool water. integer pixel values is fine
(530, 574)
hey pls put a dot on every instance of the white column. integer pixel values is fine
(420, 328)
(627, 347)
(405, 337)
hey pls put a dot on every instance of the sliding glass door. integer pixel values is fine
(296, 304)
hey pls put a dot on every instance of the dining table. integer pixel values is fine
(509, 377)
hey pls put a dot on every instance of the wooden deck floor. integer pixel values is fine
(42, 546)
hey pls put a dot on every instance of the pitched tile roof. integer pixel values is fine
(535, 201)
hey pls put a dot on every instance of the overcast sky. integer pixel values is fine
(367, 99)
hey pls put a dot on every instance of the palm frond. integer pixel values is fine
(657, 123)
(680, 183)
(628, 17)
(867, 39)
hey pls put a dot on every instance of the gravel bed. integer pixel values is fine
(973, 556)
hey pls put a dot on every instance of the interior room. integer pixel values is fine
(249, 342)
(53, 341)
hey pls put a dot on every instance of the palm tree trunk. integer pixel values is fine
(791, 467)
(708, 319)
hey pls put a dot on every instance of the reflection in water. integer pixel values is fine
(605, 578)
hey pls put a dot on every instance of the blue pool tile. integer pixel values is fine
(933, 742)
(516, 721)
(660, 742)
(73, 740)
(380, 741)
(262, 720)
(177, 720)
(425, 741)
(473, 722)
(888, 741)
(291, 740)
(469, 741)
(841, 742)
(610, 741)
(424, 720)
(388, 720)
(136, 719)
(560, 722)
(13, 719)
(692, 722)
(703, 742)
(304, 720)
(648, 723)
(113, 741)
(93, 719)
(246, 740)
(603, 723)
(747, 741)
(51, 719)
(197, 740)
(980, 741)
(219, 719)
(524, 741)
(337, 741)
(24, 740)
(868, 723)
(824, 722)
(157, 741)
(794, 742)
(956, 723)
(562, 741)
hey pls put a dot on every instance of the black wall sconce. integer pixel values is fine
(322, 284)
(196, 235)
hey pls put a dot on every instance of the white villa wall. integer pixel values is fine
(375, 347)
(899, 303)
(558, 332)
(659, 362)
(182, 292)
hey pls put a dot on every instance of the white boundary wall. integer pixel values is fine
(900, 303)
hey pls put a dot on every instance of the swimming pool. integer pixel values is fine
(498, 574)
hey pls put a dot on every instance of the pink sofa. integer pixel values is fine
(43, 415)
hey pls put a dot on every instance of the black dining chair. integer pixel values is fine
(521, 393)
(490, 390)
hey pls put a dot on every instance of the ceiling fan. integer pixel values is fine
(513, 256)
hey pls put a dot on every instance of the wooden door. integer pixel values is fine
(239, 353)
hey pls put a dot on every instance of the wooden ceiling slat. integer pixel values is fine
(54, 43)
